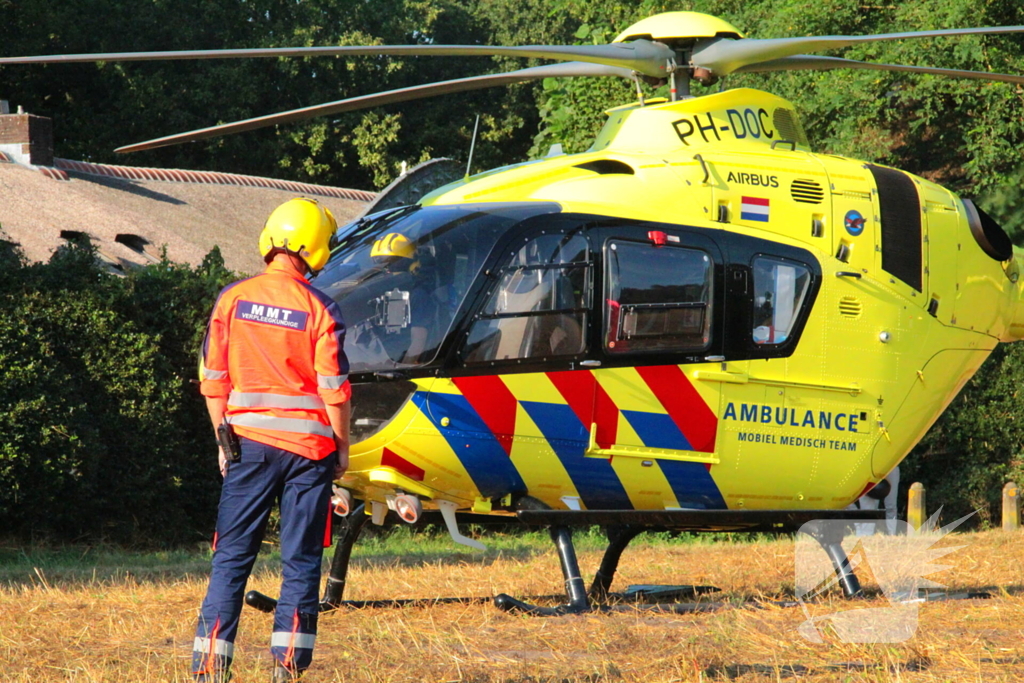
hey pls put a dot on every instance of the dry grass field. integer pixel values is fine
(124, 623)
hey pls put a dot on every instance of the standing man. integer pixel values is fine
(274, 370)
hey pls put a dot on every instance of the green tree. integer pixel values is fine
(961, 133)
(97, 107)
(957, 132)
(977, 445)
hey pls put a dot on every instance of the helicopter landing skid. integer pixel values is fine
(623, 526)
(580, 598)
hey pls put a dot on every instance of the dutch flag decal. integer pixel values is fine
(754, 209)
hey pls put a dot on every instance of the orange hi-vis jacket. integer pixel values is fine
(273, 348)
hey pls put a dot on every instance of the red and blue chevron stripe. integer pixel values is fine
(481, 428)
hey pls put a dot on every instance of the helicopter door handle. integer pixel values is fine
(590, 363)
(847, 273)
(704, 166)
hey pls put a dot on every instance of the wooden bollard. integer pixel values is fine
(1011, 507)
(915, 506)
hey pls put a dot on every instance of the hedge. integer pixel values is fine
(103, 434)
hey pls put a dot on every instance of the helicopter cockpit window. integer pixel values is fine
(657, 298)
(538, 307)
(780, 288)
(400, 277)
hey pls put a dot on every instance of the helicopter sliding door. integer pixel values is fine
(661, 304)
(569, 366)
(773, 409)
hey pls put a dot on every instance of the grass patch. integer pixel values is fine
(127, 629)
(391, 546)
(97, 564)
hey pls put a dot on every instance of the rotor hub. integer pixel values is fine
(673, 28)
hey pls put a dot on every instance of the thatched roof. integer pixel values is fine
(188, 218)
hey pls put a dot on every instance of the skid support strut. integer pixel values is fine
(335, 588)
(618, 538)
(830, 537)
(579, 601)
(574, 587)
(844, 571)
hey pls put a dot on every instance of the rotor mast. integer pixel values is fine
(680, 32)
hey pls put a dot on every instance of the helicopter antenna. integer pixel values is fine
(639, 90)
(680, 84)
(472, 144)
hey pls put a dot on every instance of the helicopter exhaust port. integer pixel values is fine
(989, 235)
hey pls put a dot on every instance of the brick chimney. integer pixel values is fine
(26, 138)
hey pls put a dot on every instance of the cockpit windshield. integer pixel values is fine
(401, 276)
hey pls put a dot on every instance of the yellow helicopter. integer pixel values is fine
(698, 323)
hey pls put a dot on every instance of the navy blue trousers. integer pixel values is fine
(265, 476)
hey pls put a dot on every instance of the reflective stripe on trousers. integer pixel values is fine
(296, 640)
(294, 648)
(211, 653)
(201, 646)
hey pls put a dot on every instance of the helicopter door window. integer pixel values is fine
(538, 307)
(658, 298)
(780, 288)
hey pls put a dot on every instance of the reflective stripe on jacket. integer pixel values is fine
(274, 349)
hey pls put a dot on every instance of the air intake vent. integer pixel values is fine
(850, 307)
(902, 231)
(607, 166)
(807, 191)
(787, 125)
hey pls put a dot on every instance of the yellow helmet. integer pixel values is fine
(393, 244)
(300, 226)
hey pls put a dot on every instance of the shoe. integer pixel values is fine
(215, 677)
(283, 674)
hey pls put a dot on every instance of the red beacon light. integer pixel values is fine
(657, 237)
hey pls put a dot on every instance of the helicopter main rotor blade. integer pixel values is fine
(643, 56)
(723, 56)
(808, 62)
(569, 69)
